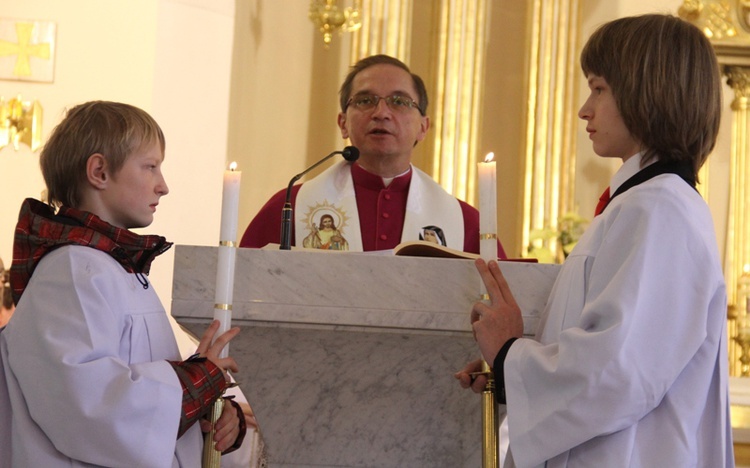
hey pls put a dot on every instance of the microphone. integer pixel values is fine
(350, 153)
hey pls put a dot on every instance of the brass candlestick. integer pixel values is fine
(489, 420)
(490, 439)
(211, 456)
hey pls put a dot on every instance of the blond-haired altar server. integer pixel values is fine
(91, 372)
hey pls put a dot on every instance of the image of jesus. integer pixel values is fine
(327, 237)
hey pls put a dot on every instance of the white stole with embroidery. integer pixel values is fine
(332, 193)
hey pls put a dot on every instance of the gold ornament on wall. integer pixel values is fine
(328, 17)
(20, 122)
(27, 50)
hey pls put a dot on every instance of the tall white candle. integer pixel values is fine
(486, 172)
(230, 203)
(487, 207)
(227, 251)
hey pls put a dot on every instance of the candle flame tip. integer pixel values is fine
(490, 157)
(233, 166)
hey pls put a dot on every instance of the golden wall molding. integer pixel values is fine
(459, 95)
(549, 176)
(384, 30)
(737, 256)
(727, 25)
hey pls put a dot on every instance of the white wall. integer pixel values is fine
(170, 57)
(190, 100)
(92, 39)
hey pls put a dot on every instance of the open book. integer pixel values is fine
(422, 248)
(417, 248)
(430, 249)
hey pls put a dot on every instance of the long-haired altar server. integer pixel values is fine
(629, 366)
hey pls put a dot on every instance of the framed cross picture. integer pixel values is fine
(27, 50)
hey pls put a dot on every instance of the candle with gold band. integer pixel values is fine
(488, 251)
(230, 200)
(487, 207)
(487, 175)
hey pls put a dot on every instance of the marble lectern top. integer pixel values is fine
(348, 358)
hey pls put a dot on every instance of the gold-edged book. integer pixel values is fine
(431, 249)
(418, 248)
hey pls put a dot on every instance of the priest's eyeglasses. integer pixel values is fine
(368, 102)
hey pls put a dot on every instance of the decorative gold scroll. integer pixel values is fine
(20, 122)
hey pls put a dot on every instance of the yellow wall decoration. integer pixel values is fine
(20, 122)
(27, 50)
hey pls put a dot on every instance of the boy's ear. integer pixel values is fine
(97, 172)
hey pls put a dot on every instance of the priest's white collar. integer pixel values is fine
(387, 180)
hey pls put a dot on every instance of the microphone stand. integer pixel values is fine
(350, 153)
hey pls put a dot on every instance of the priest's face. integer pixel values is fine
(607, 131)
(389, 129)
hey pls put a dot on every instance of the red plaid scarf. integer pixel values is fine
(40, 230)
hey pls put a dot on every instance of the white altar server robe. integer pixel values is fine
(88, 382)
(631, 365)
